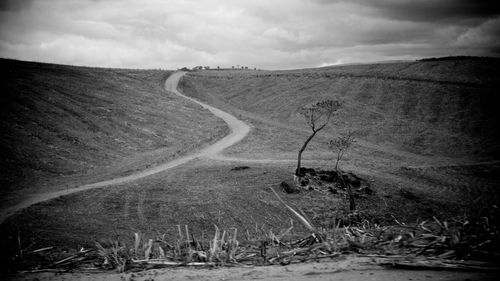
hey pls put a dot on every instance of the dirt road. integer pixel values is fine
(352, 268)
(238, 130)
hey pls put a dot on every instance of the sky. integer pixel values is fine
(264, 34)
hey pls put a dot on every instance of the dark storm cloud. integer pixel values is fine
(445, 11)
(483, 38)
(428, 10)
(14, 5)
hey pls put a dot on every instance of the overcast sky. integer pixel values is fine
(269, 34)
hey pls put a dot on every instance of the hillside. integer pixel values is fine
(60, 122)
(436, 107)
(234, 191)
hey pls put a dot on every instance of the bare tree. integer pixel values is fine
(317, 117)
(340, 145)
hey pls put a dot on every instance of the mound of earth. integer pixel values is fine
(335, 182)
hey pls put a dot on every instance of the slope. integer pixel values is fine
(437, 107)
(63, 124)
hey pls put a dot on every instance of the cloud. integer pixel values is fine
(484, 37)
(260, 33)
(426, 10)
(14, 5)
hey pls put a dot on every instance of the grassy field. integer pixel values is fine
(419, 126)
(65, 124)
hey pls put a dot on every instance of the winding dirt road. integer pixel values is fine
(239, 130)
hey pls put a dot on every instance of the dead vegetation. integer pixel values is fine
(361, 232)
(392, 104)
(62, 121)
(340, 145)
(338, 183)
(461, 243)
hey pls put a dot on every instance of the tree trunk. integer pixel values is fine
(352, 204)
(297, 171)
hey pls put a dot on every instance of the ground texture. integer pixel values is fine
(412, 170)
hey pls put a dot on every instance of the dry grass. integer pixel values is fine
(462, 243)
(64, 124)
(211, 193)
(416, 114)
(204, 196)
(443, 108)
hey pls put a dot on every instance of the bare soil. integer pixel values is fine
(351, 268)
(443, 108)
(408, 184)
(64, 127)
(238, 131)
